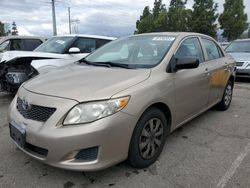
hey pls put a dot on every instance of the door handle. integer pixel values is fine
(207, 72)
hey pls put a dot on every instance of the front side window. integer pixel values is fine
(211, 49)
(85, 45)
(55, 45)
(134, 51)
(238, 46)
(5, 46)
(190, 48)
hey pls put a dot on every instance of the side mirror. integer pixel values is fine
(74, 50)
(187, 63)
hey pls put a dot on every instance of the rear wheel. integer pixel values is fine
(227, 97)
(148, 138)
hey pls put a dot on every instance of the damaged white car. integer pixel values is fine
(17, 67)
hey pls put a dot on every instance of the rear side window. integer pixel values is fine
(190, 48)
(30, 44)
(16, 44)
(85, 45)
(101, 42)
(211, 49)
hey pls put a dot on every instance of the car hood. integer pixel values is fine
(10, 55)
(241, 56)
(86, 83)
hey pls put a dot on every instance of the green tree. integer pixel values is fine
(14, 29)
(204, 16)
(1, 29)
(145, 23)
(233, 20)
(154, 20)
(178, 16)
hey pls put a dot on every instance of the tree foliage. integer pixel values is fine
(1, 29)
(233, 20)
(152, 20)
(14, 30)
(178, 16)
(204, 16)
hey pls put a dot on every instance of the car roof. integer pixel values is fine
(239, 40)
(89, 36)
(175, 34)
(21, 37)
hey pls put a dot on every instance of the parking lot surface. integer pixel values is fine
(213, 150)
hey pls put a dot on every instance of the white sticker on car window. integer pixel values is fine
(60, 42)
(163, 38)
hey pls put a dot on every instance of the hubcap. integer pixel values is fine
(228, 95)
(151, 138)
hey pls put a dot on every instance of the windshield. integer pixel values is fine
(239, 46)
(134, 51)
(55, 45)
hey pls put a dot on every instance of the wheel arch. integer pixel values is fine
(166, 111)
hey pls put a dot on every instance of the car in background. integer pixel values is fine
(240, 51)
(20, 43)
(18, 66)
(224, 44)
(121, 101)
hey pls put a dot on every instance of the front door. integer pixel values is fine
(192, 86)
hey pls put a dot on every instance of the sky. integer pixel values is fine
(98, 17)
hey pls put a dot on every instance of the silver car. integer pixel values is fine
(121, 101)
(240, 50)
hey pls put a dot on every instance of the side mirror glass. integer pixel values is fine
(74, 50)
(187, 63)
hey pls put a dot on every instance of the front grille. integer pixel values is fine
(239, 64)
(89, 154)
(34, 112)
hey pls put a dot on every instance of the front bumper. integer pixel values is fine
(111, 135)
(242, 72)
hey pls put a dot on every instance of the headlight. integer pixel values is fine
(92, 111)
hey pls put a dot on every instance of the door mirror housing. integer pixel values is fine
(74, 50)
(187, 63)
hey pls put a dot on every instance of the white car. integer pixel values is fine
(20, 43)
(18, 66)
(240, 51)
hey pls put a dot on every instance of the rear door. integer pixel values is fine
(192, 86)
(218, 70)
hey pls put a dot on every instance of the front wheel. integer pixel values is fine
(148, 138)
(227, 97)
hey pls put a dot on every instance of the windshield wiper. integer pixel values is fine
(106, 64)
(95, 63)
(122, 65)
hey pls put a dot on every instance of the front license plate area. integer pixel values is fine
(18, 134)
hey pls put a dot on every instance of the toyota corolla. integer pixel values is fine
(121, 101)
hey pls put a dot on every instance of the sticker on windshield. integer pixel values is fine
(163, 38)
(60, 42)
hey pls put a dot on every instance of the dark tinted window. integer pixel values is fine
(85, 45)
(100, 42)
(30, 44)
(190, 48)
(212, 49)
(16, 44)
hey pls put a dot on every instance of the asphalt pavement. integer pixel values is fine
(212, 150)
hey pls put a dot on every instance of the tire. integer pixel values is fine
(225, 103)
(148, 138)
